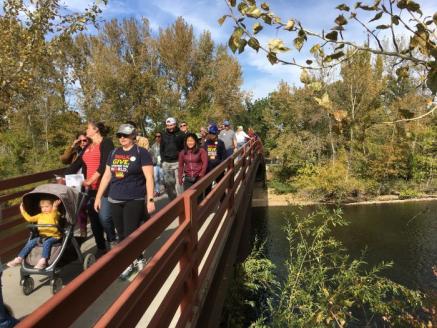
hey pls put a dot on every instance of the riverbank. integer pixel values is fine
(263, 198)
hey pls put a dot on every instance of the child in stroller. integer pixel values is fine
(49, 216)
(64, 203)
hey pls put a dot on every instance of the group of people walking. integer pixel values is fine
(123, 182)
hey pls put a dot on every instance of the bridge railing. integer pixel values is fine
(173, 285)
(13, 229)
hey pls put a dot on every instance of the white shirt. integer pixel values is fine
(241, 136)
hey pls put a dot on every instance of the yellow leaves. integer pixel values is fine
(222, 19)
(257, 27)
(339, 115)
(305, 78)
(290, 25)
(253, 12)
(324, 102)
(277, 45)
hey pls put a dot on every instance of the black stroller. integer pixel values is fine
(71, 202)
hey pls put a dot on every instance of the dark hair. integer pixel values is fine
(103, 129)
(196, 145)
(78, 134)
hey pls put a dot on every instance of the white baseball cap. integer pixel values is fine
(170, 120)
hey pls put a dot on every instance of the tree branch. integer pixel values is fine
(411, 119)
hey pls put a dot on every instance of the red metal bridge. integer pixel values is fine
(182, 284)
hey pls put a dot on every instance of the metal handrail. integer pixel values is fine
(192, 256)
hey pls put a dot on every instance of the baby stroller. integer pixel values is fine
(71, 202)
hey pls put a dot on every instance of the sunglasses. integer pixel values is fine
(83, 140)
(157, 136)
(122, 135)
(182, 125)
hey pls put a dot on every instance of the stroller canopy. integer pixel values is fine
(68, 196)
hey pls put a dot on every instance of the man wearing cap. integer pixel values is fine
(172, 142)
(227, 135)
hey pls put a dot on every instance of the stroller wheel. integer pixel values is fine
(56, 285)
(28, 285)
(89, 260)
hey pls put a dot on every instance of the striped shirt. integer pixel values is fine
(91, 158)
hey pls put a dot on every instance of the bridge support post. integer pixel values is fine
(212, 308)
(190, 286)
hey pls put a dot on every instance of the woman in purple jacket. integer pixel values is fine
(193, 161)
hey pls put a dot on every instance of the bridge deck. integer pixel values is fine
(22, 305)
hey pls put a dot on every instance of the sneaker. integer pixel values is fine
(112, 244)
(140, 264)
(16, 261)
(127, 272)
(42, 263)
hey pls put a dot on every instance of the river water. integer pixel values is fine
(405, 233)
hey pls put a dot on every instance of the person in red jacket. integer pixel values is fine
(193, 161)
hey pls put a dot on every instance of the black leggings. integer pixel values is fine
(127, 216)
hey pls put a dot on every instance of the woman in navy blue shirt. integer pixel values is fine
(129, 172)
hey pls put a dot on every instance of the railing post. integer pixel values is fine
(231, 184)
(188, 259)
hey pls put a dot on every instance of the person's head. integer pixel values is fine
(191, 142)
(158, 137)
(239, 128)
(142, 142)
(83, 140)
(226, 125)
(132, 123)
(126, 135)
(203, 132)
(96, 129)
(170, 124)
(183, 126)
(212, 132)
(46, 205)
(250, 132)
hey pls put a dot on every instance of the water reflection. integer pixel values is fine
(405, 233)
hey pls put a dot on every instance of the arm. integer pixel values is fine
(148, 173)
(222, 151)
(76, 166)
(204, 159)
(68, 154)
(26, 216)
(180, 167)
(105, 149)
(106, 179)
(234, 141)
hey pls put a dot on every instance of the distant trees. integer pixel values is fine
(53, 76)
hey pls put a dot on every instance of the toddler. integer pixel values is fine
(49, 215)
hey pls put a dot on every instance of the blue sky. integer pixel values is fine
(260, 77)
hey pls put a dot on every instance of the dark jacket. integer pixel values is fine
(192, 164)
(171, 144)
(217, 155)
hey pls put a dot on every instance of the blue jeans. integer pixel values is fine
(159, 177)
(46, 247)
(6, 321)
(229, 152)
(101, 222)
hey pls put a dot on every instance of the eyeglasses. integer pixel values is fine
(157, 136)
(182, 125)
(83, 140)
(122, 135)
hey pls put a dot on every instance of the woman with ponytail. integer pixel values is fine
(93, 162)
